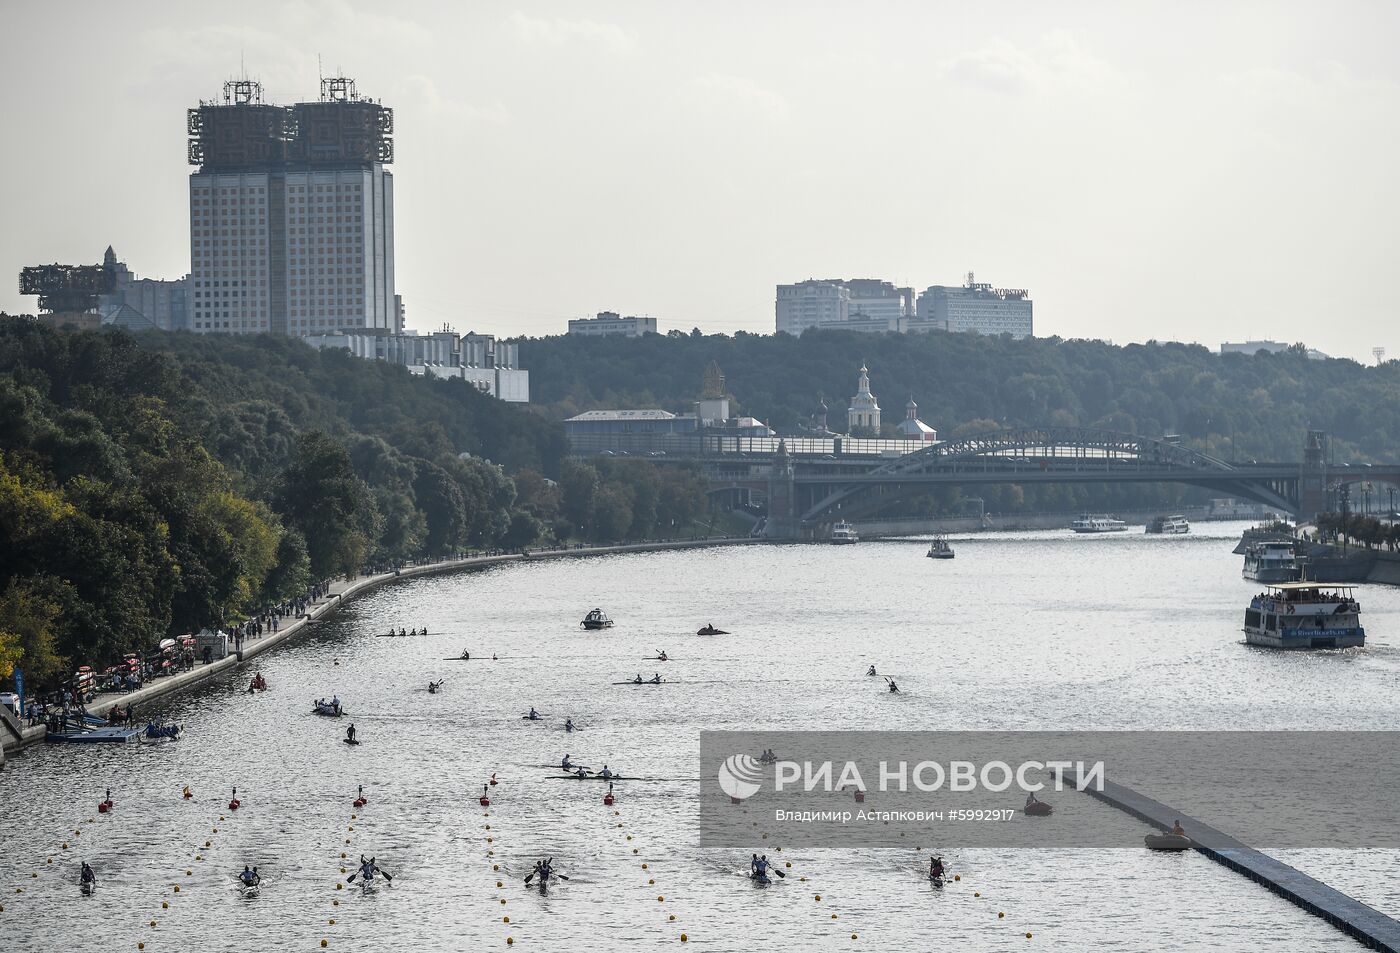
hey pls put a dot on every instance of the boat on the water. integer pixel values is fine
(596, 620)
(1304, 615)
(939, 548)
(843, 534)
(156, 733)
(1270, 561)
(710, 630)
(1175, 842)
(330, 709)
(1098, 524)
(1169, 525)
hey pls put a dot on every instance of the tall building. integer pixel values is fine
(864, 412)
(975, 307)
(144, 303)
(854, 304)
(612, 323)
(291, 213)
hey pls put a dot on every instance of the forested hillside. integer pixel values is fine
(159, 484)
(1247, 406)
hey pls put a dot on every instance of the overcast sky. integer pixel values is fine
(1189, 171)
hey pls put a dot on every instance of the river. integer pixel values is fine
(1020, 631)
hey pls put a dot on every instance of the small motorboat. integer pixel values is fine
(596, 620)
(1174, 842)
(939, 548)
(1039, 809)
(258, 684)
(328, 709)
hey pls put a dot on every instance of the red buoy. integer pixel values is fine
(485, 801)
(860, 796)
(233, 805)
(608, 799)
(104, 807)
(359, 802)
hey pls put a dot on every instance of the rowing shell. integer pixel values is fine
(615, 777)
(480, 658)
(655, 658)
(664, 681)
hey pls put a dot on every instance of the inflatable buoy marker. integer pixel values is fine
(634, 850)
(505, 919)
(499, 884)
(650, 882)
(789, 864)
(339, 886)
(977, 893)
(140, 946)
(488, 827)
(684, 938)
(510, 941)
(495, 866)
(672, 917)
(1001, 915)
(50, 860)
(331, 921)
(660, 899)
(853, 936)
(957, 876)
(65, 845)
(833, 916)
(165, 905)
(342, 870)
(177, 888)
(324, 943)
(342, 855)
(189, 873)
(35, 875)
(503, 901)
(644, 866)
(819, 898)
(335, 903)
(1028, 936)
(153, 923)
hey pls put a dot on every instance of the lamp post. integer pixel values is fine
(1344, 491)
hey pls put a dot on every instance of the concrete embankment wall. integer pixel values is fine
(1011, 522)
(14, 736)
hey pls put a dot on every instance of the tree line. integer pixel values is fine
(157, 484)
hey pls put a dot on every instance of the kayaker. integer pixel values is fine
(568, 724)
(350, 734)
(872, 671)
(893, 687)
(432, 688)
(661, 656)
(935, 868)
(1177, 829)
(249, 876)
(760, 867)
(367, 869)
(87, 876)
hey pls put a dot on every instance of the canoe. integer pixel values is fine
(760, 880)
(1167, 842)
(1039, 809)
(250, 891)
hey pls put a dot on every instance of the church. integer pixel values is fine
(863, 415)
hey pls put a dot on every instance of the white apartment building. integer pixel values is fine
(292, 252)
(489, 364)
(612, 323)
(975, 307)
(810, 304)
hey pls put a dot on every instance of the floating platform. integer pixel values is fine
(119, 734)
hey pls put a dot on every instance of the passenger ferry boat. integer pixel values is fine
(1098, 524)
(844, 533)
(1304, 615)
(1169, 525)
(1270, 562)
(939, 548)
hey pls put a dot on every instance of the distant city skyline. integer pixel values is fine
(1223, 176)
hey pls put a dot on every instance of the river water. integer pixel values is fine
(1020, 631)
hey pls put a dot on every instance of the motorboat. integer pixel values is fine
(1304, 615)
(843, 534)
(1169, 525)
(596, 620)
(1173, 842)
(939, 548)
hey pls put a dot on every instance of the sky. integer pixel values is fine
(1175, 171)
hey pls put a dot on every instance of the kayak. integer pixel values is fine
(87, 888)
(760, 880)
(655, 658)
(1167, 842)
(250, 890)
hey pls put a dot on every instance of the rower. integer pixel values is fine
(566, 764)
(581, 773)
(935, 868)
(1177, 829)
(425, 630)
(568, 724)
(656, 679)
(605, 774)
(1031, 798)
(414, 632)
(872, 671)
(759, 865)
(87, 876)
(401, 631)
(638, 679)
(432, 688)
(350, 733)
(534, 715)
(466, 655)
(249, 876)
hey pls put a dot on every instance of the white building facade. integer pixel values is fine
(292, 252)
(492, 366)
(975, 307)
(810, 304)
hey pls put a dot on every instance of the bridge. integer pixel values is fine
(810, 482)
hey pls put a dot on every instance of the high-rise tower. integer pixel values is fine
(291, 213)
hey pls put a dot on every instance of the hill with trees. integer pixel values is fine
(160, 483)
(1232, 405)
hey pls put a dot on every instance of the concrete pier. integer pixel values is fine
(1365, 924)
